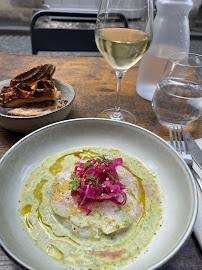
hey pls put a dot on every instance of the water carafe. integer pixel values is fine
(171, 35)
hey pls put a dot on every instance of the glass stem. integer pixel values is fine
(119, 75)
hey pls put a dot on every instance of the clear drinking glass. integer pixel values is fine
(123, 34)
(177, 100)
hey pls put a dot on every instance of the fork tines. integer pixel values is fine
(177, 139)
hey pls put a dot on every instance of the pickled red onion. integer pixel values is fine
(95, 181)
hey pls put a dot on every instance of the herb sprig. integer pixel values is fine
(76, 181)
(90, 176)
(112, 176)
(102, 157)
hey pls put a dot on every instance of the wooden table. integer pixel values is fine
(95, 84)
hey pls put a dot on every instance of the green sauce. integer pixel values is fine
(58, 242)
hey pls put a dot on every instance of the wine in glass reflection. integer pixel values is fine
(123, 34)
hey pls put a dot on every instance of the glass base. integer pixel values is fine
(120, 116)
(168, 124)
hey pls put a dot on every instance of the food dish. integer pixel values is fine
(27, 124)
(106, 203)
(35, 109)
(32, 86)
(174, 177)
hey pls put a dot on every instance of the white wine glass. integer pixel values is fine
(123, 34)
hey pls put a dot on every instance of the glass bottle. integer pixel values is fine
(171, 35)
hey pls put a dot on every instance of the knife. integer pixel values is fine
(194, 149)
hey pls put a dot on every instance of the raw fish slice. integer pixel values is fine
(106, 217)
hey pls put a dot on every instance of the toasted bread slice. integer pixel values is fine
(22, 93)
(42, 72)
(35, 109)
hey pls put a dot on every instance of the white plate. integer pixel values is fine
(175, 181)
(28, 124)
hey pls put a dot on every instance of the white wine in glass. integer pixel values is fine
(123, 34)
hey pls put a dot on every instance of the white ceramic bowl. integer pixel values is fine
(174, 177)
(28, 124)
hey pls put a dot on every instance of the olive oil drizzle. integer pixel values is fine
(25, 212)
(39, 196)
(55, 253)
(141, 198)
(85, 154)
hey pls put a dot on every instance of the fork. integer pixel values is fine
(179, 143)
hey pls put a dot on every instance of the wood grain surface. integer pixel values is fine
(95, 84)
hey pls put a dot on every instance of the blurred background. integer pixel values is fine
(15, 18)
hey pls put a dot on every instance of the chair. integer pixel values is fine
(72, 40)
(57, 39)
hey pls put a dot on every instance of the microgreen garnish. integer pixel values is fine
(76, 181)
(87, 165)
(75, 184)
(119, 209)
(89, 176)
(73, 175)
(102, 157)
(112, 176)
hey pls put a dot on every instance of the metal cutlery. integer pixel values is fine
(179, 143)
(194, 149)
